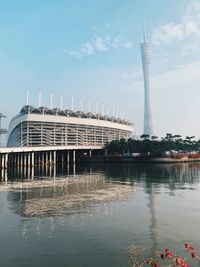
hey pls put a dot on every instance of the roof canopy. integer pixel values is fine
(69, 113)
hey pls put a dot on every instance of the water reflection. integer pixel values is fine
(57, 197)
(63, 195)
(157, 173)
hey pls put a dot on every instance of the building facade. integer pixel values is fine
(54, 127)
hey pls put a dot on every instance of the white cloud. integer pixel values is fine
(175, 100)
(166, 33)
(87, 49)
(134, 74)
(99, 44)
(189, 26)
(73, 53)
(128, 45)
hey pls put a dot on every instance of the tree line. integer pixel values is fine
(152, 145)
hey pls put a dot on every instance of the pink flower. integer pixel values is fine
(169, 255)
(191, 247)
(186, 245)
(193, 254)
(180, 261)
(162, 256)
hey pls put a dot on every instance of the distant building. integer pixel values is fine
(55, 127)
(146, 63)
(2, 131)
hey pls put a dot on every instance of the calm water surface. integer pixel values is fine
(89, 215)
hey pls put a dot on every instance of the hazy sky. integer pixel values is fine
(91, 49)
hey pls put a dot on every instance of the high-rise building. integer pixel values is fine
(146, 64)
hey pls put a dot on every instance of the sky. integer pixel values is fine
(91, 49)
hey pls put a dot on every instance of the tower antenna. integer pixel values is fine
(144, 29)
(27, 97)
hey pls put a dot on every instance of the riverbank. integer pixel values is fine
(142, 159)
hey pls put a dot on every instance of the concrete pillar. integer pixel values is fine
(68, 156)
(54, 157)
(50, 157)
(42, 158)
(3, 161)
(18, 159)
(25, 159)
(47, 157)
(29, 159)
(90, 153)
(6, 161)
(74, 156)
(32, 159)
(21, 159)
(62, 156)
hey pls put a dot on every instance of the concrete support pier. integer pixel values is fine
(74, 156)
(24, 159)
(67, 156)
(54, 157)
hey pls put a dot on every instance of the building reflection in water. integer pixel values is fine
(70, 190)
(58, 196)
(153, 177)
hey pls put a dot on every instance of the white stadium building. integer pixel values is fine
(55, 127)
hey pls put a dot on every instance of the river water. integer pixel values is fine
(89, 215)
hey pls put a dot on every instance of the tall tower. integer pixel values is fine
(146, 64)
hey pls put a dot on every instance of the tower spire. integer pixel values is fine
(144, 30)
(27, 97)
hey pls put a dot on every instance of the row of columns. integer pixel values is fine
(31, 159)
